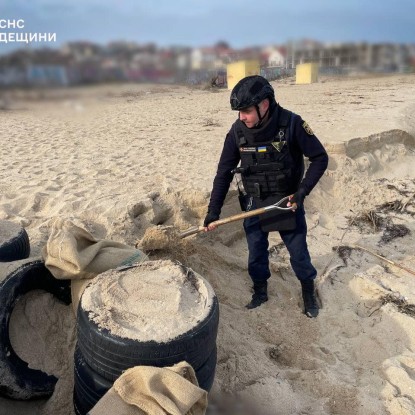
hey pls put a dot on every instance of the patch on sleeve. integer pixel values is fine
(307, 128)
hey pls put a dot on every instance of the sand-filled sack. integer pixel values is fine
(71, 252)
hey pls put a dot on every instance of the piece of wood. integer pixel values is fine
(233, 218)
(381, 257)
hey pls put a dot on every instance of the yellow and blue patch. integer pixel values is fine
(262, 149)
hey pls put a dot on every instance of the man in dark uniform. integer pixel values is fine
(270, 143)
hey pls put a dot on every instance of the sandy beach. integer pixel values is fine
(120, 159)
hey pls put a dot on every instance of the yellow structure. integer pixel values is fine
(306, 73)
(238, 70)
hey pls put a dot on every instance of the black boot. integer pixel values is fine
(309, 297)
(260, 295)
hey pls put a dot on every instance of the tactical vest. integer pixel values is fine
(267, 167)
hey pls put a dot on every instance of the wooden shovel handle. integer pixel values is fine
(233, 218)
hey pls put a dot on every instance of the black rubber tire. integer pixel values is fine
(206, 374)
(79, 406)
(89, 387)
(110, 355)
(18, 247)
(18, 381)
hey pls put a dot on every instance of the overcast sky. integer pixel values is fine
(204, 22)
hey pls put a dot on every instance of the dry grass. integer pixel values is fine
(367, 218)
(401, 304)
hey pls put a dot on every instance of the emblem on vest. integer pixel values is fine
(278, 145)
(248, 149)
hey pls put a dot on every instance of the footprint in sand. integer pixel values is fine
(400, 374)
(156, 212)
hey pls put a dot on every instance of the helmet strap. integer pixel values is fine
(260, 119)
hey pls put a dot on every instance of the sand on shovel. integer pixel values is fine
(161, 241)
(159, 238)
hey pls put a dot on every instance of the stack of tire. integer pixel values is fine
(14, 242)
(18, 381)
(101, 357)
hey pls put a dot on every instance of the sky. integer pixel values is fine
(195, 23)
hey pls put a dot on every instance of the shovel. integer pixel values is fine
(239, 216)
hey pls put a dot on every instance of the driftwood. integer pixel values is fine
(354, 246)
(325, 274)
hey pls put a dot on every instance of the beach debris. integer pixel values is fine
(376, 222)
(368, 217)
(393, 231)
(354, 246)
(324, 274)
(343, 252)
(399, 206)
(400, 302)
(404, 203)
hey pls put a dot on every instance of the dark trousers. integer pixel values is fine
(295, 241)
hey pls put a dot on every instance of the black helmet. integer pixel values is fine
(250, 91)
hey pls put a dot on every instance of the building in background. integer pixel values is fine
(78, 63)
(345, 58)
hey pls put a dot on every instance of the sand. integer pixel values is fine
(154, 301)
(125, 158)
(8, 231)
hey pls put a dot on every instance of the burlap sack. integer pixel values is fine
(73, 253)
(147, 390)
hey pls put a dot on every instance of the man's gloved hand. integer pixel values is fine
(298, 198)
(210, 217)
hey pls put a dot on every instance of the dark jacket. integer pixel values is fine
(301, 143)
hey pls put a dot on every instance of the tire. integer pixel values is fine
(206, 374)
(79, 405)
(18, 381)
(89, 387)
(110, 355)
(17, 247)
